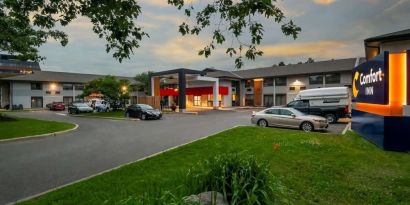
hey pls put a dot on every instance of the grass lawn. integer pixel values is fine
(22, 127)
(114, 114)
(308, 168)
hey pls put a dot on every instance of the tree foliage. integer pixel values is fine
(113, 89)
(144, 81)
(26, 25)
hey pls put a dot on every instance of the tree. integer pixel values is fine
(26, 25)
(310, 60)
(281, 63)
(112, 89)
(144, 81)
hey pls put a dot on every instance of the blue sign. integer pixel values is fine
(371, 81)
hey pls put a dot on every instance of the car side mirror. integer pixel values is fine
(293, 115)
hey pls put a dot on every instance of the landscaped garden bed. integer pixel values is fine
(304, 168)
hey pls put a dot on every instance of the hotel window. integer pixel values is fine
(315, 79)
(36, 86)
(79, 87)
(267, 82)
(67, 86)
(281, 81)
(67, 100)
(248, 83)
(332, 78)
(292, 88)
(249, 100)
(302, 87)
(268, 100)
(280, 99)
(197, 100)
(36, 102)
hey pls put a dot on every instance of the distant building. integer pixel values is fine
(393, 42)
(10, 65)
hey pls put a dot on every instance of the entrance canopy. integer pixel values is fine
(194, 91)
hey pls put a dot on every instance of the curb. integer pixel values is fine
(120, 166)
(39, 136)
(108, 118)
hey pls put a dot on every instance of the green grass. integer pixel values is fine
(22, 127)
(114, 114)
(307, 168)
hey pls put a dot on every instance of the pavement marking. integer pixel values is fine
(62, 114)
(118, 167)
(39, 136)
(348, 126)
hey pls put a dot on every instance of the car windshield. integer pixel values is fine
(296, 112)
(81, 105)
(145, 107)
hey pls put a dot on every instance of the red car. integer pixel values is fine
(57, 106)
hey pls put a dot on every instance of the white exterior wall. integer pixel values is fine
(395, 47)
(226, 99)
(22, 93)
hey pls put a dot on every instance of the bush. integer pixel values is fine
(241, 179)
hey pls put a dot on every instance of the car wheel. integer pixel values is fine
(307, 126)
(262, 123)
(143, 117)
(331, 118)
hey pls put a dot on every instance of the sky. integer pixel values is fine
(331, 29)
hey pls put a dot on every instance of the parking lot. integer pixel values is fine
(33, 166)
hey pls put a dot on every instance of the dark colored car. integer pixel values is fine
(57, 106)
(79, 108)
(143, 112)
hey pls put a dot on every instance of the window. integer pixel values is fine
(280, 99)
(281, 81)
(267, 82)
(249, 83)
(285, 112)
(272, 111)
(316, 79)
(48, 92)
(249, 100)
(292, 88)
(67, 100)
(36, 86)
(67, 86)
(300, 104)
(57, 92)
(79, 87)
(197, 100)
(268, 100)
(36, 102)
(332, 78)
(303, 88)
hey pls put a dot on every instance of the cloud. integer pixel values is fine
(320, 49)
(182, 49)
(324, 2)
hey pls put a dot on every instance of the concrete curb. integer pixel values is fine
(107, 118)
(348, 127)
(39, 136)
(118, 167)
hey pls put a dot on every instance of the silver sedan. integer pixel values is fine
(289, 118)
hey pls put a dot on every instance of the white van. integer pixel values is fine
(332, 103)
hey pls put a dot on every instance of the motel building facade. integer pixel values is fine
(260, 87)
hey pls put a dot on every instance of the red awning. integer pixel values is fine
(197, 91)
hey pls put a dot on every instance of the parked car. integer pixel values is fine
(331, 103)
(143, 112)
(289, 118)
(57, 106)
(79, 108)
(99, 105)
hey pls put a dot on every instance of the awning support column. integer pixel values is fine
(216, 95)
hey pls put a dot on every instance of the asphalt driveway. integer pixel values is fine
(33, 166)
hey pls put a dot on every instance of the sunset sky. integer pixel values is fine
(330, 29)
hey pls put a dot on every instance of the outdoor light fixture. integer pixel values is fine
(124, 88)
(53, 86)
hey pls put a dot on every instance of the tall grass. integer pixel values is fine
(241, 179)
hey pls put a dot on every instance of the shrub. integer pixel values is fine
(241, 179)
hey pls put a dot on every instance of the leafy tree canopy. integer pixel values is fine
(144, 81)
(27, 24)
(113, 89)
